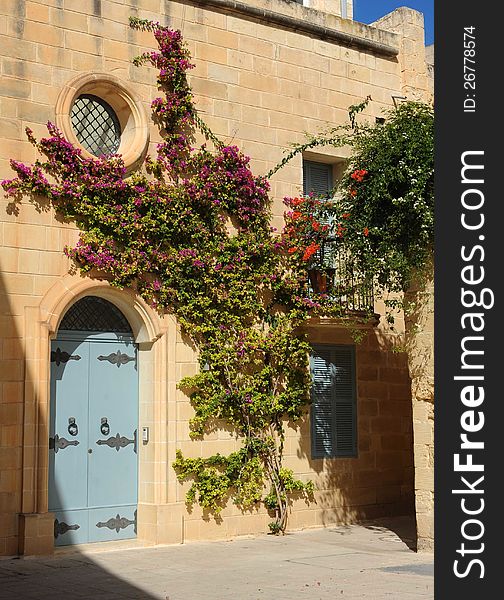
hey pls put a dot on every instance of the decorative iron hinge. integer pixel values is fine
(60, 528)
(59, 356)
(60, 443)
(119, 441)
(117, 358)
(118, 523)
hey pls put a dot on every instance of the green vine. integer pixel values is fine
(382, 213)
(191, 234)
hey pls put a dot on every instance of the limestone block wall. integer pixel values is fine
(420, 324)
(260, 87)
(379, 482)
(409, 24)
(341, 8)
(429, 58)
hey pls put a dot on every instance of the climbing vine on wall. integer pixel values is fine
(382, 212)
(190, 233)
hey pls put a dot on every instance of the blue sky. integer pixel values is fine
(367, 11)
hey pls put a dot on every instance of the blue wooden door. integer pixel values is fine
(93, 466)
(68, 440)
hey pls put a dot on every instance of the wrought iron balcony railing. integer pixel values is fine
(335, 273)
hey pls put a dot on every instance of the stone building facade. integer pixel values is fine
(267, 71)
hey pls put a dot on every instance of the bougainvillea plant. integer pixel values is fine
(191, 234)
(389, 191)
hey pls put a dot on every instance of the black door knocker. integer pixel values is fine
(105, 427)
(72, 426)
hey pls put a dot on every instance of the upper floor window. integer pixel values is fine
(317, 178)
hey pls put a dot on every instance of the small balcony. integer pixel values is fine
(334, 274)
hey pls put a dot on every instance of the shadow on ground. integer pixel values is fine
(354, 562)
(63, 577)
(403, 527)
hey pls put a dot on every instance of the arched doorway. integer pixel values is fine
(93, 434)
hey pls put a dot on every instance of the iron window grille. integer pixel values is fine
(343, 282)
(92, 313)
(96, 125)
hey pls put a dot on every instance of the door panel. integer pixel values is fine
(113, 523)
(70, 527)
(113, 418)
(68, 432)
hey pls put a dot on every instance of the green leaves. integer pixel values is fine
(216, 478)
(395, 199)
(383, 217)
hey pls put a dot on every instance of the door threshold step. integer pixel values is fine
(98, 547)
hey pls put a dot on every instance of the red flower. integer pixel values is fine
(353, 192)
(292, 250)
(310, 251)
(316, 225)
(359, 174)
(340, 231)
(366, 231)
(345, 215)
(296, 215)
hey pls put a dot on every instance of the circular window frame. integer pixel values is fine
(126, 105)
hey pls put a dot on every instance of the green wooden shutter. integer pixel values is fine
(344, 398)
(334, 406)
(322, 425)
(317, 177)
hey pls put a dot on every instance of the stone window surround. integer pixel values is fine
(124, 102)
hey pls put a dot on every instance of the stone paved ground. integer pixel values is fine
(349, 562)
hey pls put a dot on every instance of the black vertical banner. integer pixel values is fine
(469, 415)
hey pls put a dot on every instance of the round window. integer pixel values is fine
(99, 114)
(96, 125)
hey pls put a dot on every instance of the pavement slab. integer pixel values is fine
(370, 561)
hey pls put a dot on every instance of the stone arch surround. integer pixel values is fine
(41, 325)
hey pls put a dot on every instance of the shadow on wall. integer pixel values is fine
(11, 406)
(31, 578)
(379, 482)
